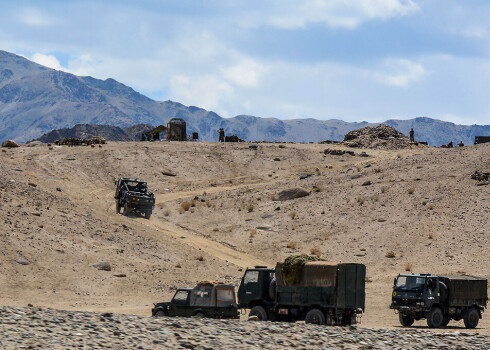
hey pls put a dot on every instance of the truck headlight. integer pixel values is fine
(420, 303)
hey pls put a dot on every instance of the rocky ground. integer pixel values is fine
(35, 328)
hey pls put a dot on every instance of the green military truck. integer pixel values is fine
(321, 293)
(204, 300)
(439, 299)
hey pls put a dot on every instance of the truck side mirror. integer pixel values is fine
(394, 281)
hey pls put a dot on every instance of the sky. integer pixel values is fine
(355, 60)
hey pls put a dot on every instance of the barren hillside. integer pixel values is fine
(220, 214)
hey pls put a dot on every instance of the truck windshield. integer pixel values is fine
(410, 283)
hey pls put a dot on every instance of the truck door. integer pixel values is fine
(179, 305)
(249, 288)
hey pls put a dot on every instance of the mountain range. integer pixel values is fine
(35, 100)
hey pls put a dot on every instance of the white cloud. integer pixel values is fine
(399, 73)
(49, 61)
(350, 14)
(246, 73)
(35, 18)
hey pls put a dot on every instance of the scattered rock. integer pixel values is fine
(305, 176)
(366, 183)
(22, 262)
(277, 159)
(120, 275)
(102, 265)
(32, 184)
(292, 194)
(253, 147)
(10, 143)
(480, 176)
(168, 173)
(364, 154)
(338, 152)
(59, 189)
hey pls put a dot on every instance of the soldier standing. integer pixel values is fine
(412, 133)
(221, 132)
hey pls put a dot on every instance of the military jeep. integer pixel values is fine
(204, 300)
(134, 197)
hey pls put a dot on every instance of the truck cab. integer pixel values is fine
(255, 290)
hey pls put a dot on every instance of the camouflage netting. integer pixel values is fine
(293, 266)
(381, 136)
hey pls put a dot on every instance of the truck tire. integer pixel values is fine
(471, 318)
(260, 312)
(126, 209)
(315, 316)
(445, 321)
(272, 289)
(148, 214)
(200, 315)
(118, 207)
(406, 320)
(159, 313)
(435, 317)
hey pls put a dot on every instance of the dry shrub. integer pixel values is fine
(292, 214)
(293, 245)
(383, 189)
(250, 208)
(375, 198)
(317, 188)
(215, 229)
(201, 258)
(166, 212)
(424, 203)
(161, 205)
(411, 191)
(186, 205)
(294, 227)
(315, 251)
(390, 254)
(378, 170)
(368, 279)
(408, 267)
(360, 200)
(253, 232)
(272, 196)
(431, 236)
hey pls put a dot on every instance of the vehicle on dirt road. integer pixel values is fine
(133, 196)
(323, 293)
(204, 300)
(439, 299)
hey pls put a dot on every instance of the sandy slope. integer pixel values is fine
(421, 205)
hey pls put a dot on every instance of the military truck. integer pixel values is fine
(323, 293)
(439, 299)
(204, 300)
(134, 196)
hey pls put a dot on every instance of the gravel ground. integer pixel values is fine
(35, 328)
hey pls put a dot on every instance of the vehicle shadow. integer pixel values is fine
(460, 328)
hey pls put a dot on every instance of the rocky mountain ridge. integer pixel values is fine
(35, 99)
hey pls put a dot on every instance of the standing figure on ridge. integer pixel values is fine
(221, 132)
(412, 133)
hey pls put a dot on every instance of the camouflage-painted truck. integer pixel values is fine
(439, 299)
(323, 293)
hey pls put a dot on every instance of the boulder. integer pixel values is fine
(10, 143)
(102, 265)
(292, 194)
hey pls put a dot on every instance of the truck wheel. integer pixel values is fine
(405, 320)
(471, 318)
(315, 316)
(200, 315)
(118, 207)
(445, 321)
(435, 317)
(126, 209)
(260, 312)
(159, 313)
(148, 214)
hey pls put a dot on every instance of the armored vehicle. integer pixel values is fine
(134, 196)
(439, 299)
(322, 293)
(204, 300)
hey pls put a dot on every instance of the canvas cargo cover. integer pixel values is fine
(466, 290)
(212, 295)
(313, 274)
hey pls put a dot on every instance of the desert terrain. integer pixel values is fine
(415, 209)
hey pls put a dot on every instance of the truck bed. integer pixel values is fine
(466, 290)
